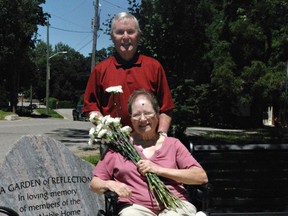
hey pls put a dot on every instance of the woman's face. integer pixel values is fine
(125, 37)
(143, 117)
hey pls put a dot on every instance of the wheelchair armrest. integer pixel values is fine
(111, 195)
(111, 199)
(199, 195)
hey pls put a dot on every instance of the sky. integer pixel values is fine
(71, 22)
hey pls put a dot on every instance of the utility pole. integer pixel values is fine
(95, 29)
(47, 70)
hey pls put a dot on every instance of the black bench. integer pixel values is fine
(248, 179)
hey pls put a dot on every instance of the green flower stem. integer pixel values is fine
(162, 193)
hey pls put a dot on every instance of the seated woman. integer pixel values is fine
(165, 156)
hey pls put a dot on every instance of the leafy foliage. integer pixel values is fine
(221, 57)
(69, 72)
(18, 21)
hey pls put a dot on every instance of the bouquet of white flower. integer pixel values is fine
(109, 131)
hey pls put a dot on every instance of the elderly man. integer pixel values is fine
(127, 71)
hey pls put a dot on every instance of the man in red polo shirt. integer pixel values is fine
(131, 71)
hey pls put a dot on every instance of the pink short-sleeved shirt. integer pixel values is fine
(172, 154)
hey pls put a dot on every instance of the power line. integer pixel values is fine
(74, 31)
(85, 45)
(114, 4)
(68, 21)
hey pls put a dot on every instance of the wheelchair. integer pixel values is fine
(198, 195)
(8, 211)
(110, 204)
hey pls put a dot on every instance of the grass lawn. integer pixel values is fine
(92, 159)
(40, 112)
(51, 113)
(4, 114)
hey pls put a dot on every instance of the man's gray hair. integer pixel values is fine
(122, 16)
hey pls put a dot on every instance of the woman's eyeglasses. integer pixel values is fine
(147, 115)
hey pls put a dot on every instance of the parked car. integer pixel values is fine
(32, 106)
(78, 114)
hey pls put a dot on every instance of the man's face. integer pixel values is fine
(125, 37)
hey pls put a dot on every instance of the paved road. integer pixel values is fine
(66, 113)
(74, 134)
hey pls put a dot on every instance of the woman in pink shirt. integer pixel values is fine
(165, 156)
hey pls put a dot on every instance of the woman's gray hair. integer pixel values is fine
(122, 16)
(148, 94)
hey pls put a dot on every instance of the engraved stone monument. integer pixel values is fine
(42, 177)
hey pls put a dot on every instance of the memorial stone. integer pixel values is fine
(42, 177)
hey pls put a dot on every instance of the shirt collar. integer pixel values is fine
(135, 61)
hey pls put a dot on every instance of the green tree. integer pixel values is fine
(255, 35)
(232, 52)
(174, 33)
(40, 59)
(69, 72)
(18, 21)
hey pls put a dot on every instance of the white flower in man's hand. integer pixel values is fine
(115, 94)
(114, 89)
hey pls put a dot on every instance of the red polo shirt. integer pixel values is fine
(142, 73)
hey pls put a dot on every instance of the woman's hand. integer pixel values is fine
(145, 166)
(120, 188)
(99, 186)
(194, 175)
